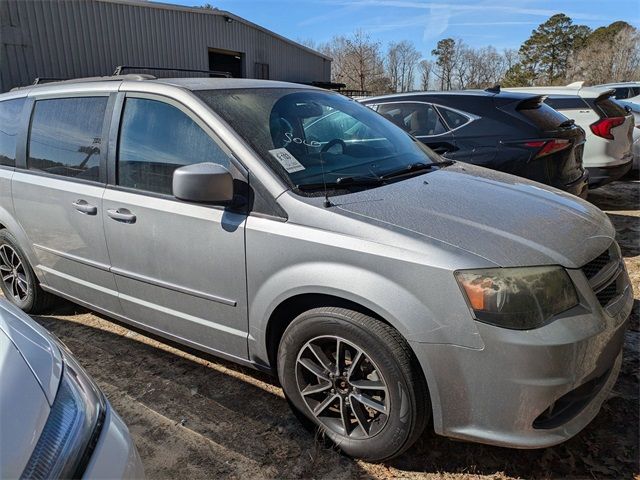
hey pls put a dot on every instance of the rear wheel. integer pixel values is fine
(355, 379)
(18, 281)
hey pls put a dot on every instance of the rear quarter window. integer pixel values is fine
(543, 117)
(452, 118)
(609, 107)
(10, 111)
(566, 103)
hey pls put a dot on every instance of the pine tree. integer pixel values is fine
(547, 52)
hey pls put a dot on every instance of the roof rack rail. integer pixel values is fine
(212, 73)
(41, 80)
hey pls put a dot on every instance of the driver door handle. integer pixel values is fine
(83, 207)
(122, 215)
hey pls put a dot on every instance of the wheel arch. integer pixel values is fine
(293, 306)
(9, 223)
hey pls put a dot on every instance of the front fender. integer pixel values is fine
(415, 321)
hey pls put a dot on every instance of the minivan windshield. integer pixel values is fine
(314, 139)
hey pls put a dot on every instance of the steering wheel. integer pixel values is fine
(333, 143)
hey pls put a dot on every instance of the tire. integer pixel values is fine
(23, 290)
(378, 406)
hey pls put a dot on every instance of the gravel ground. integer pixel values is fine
(193, 416)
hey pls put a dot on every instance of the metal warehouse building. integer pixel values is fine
(80, 38)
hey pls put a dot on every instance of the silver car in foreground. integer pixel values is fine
(296, 231)
(54, 421)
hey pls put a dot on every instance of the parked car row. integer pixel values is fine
(568, 137)
(609, 127)
(510, 132)
(296, 231)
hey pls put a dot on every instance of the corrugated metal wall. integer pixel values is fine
(79, 38)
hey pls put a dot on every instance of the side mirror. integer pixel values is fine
(204, 183)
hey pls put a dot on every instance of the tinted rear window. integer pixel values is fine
(609, 107)
(622, 93)
(9, 125)
(66, 137)
(543, 117)
(565, 103)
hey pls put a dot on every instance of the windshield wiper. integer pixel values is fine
(415, 167)
(367, 181)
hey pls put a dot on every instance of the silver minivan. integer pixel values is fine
(296, 231)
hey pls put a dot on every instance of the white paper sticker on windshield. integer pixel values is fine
(288, 161)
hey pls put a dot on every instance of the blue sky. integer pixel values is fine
(501, 23)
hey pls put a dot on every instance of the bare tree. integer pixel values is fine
(402, 60)
(426, 72)
(308, 42)
(393, 67)
(357, 62)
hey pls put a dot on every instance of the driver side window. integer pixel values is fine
(157, 138)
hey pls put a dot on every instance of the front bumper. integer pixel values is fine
(115, 456)
(505, 394)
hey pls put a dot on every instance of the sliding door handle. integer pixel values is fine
(122, 215)
(83, 207)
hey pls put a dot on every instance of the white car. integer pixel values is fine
(54, 421)
(635, 110)
(625, 90)
(609, 127)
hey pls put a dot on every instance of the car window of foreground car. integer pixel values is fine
(314, 138)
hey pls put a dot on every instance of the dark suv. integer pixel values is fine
(511, 132)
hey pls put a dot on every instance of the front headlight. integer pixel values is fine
(518, 298)
(72, 429)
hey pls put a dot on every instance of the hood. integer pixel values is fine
(508, 220)
(24, 406)
(36, 347)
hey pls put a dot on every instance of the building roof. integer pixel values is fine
(218, 12)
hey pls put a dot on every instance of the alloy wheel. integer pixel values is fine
(342, 387)
(13, 273)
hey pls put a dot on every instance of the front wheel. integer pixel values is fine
(355, 379)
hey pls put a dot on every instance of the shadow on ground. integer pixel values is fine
(195, 417)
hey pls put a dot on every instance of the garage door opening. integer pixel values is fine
(223, 61)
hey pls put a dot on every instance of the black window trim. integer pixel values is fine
(435, 106)
(239, 172)
(22, 154)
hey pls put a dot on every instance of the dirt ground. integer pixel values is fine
(198, 417)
